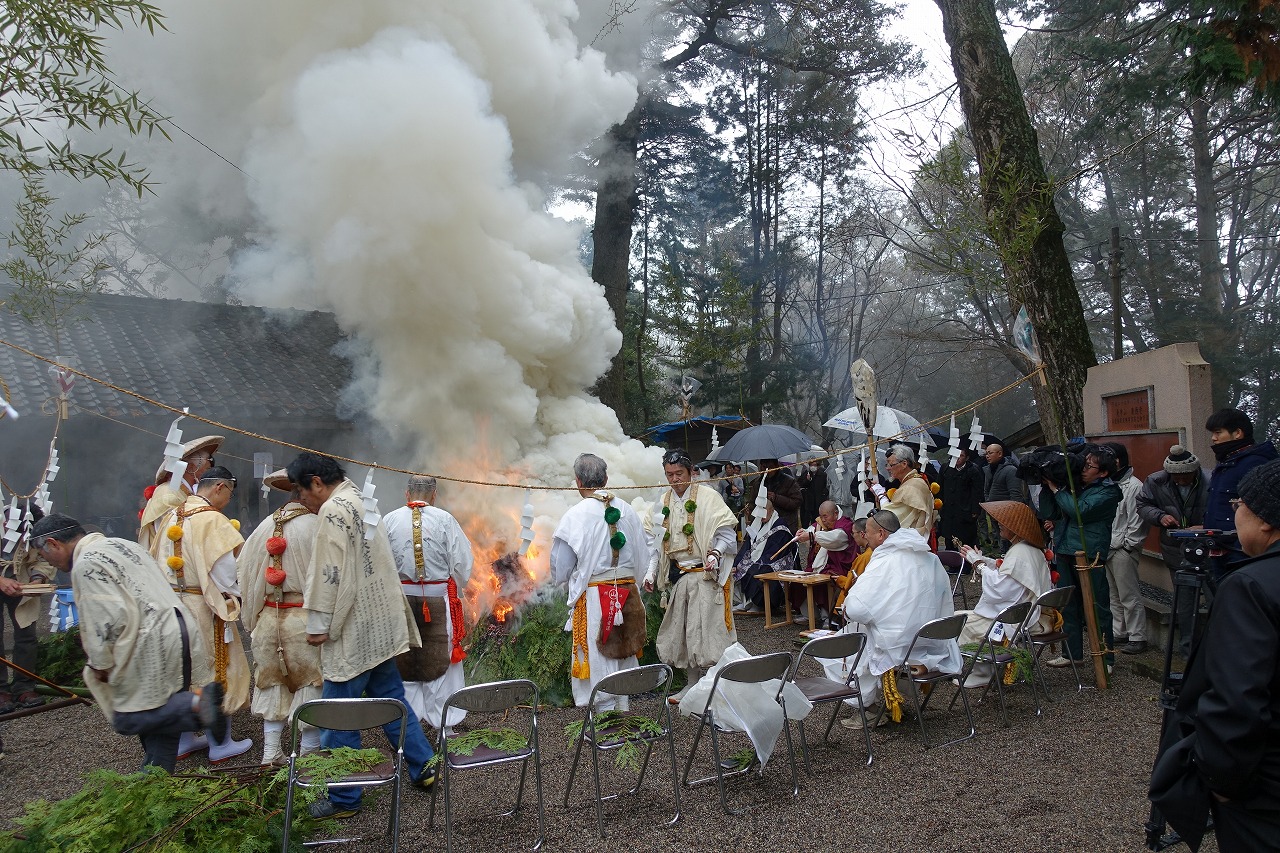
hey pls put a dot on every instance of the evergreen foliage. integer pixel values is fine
(158, 813)
(61, 658)
(626, 731)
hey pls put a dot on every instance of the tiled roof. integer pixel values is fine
(228, 362)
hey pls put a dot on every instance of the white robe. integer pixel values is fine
(580, 553)
(903, 587)
(1023, 575)
(446, 552)
(128, 625)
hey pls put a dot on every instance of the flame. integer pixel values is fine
(502, 608)
(493, 528)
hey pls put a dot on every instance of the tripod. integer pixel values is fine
(1190, 581)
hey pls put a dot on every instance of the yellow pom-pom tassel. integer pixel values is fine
(235, 522)
(937, 503)
(890, 493)
(175, 563)
(174, 532)
(935, 487)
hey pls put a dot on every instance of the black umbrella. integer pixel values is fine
(767, 441)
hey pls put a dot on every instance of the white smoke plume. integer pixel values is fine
(396, 158)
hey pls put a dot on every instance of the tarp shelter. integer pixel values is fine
(694, 435)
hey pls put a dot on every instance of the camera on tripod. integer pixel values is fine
(1198, 546)
(1051, 463)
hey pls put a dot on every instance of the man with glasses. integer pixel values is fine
(912, 500)
(1082, 522)
(198, 546)
(165, 495)
(138, 641)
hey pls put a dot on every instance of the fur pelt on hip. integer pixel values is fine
(284, 629)
(626, 640)
(429, 662)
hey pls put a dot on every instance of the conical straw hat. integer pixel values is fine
(1019, 518)
(279, 480)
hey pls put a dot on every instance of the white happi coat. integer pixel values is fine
(279, 633)
(580, 554)
(446, 553)
(128, 625)
(353, 591)
(903, 587)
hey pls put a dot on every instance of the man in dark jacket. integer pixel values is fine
(1083, 522)
(1000, 477)
(1174, 499)
(1231, 433)
(962, 491)
(1220, 751)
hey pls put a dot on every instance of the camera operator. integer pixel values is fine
(1231, 434)
(1082, 519)
(1174, 499)
(1221, 749)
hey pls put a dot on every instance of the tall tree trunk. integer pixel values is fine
(1021, 216)
(611, 235)
(1218, 333)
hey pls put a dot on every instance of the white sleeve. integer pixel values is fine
(223, 574)
(563, 561)
(832, 540)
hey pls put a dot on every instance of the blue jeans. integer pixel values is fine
(381, 682)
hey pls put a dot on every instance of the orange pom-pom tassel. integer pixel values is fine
(935, 487)
(175, 563)
(937, 503)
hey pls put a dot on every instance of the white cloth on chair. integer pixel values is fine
(746, 707)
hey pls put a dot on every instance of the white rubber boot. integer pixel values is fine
(271, 751)
(189, 743)
(229, 748)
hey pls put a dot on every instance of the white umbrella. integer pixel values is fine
(889, 422)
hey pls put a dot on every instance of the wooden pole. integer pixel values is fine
(1083, 570)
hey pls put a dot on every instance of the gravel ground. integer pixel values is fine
(1073, 779)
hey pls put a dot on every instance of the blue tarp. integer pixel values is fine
(661, 432)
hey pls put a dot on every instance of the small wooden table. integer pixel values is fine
(808, 581)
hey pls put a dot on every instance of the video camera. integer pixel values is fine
(1198, 545)
(1051, 463)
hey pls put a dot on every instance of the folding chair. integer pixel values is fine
(1000, 656)
(752, 670)
(655, 678)
(953, 563)
(819, 689)
(1057, 599)
(494, 698)
(946, 628)
(347, 715)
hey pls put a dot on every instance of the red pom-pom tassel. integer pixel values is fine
(276, 545)
(275, 576)
(148, 492)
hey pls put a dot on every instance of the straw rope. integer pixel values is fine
(460, 480)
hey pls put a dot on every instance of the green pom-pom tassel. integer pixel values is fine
(611, 515)
(617, 540)
(666, 510)
(688, 529)
(666, 536)
(690, 506)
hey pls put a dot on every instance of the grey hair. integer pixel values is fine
(590, 471)
(886, 520)
(421, 486)
(903, 453)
